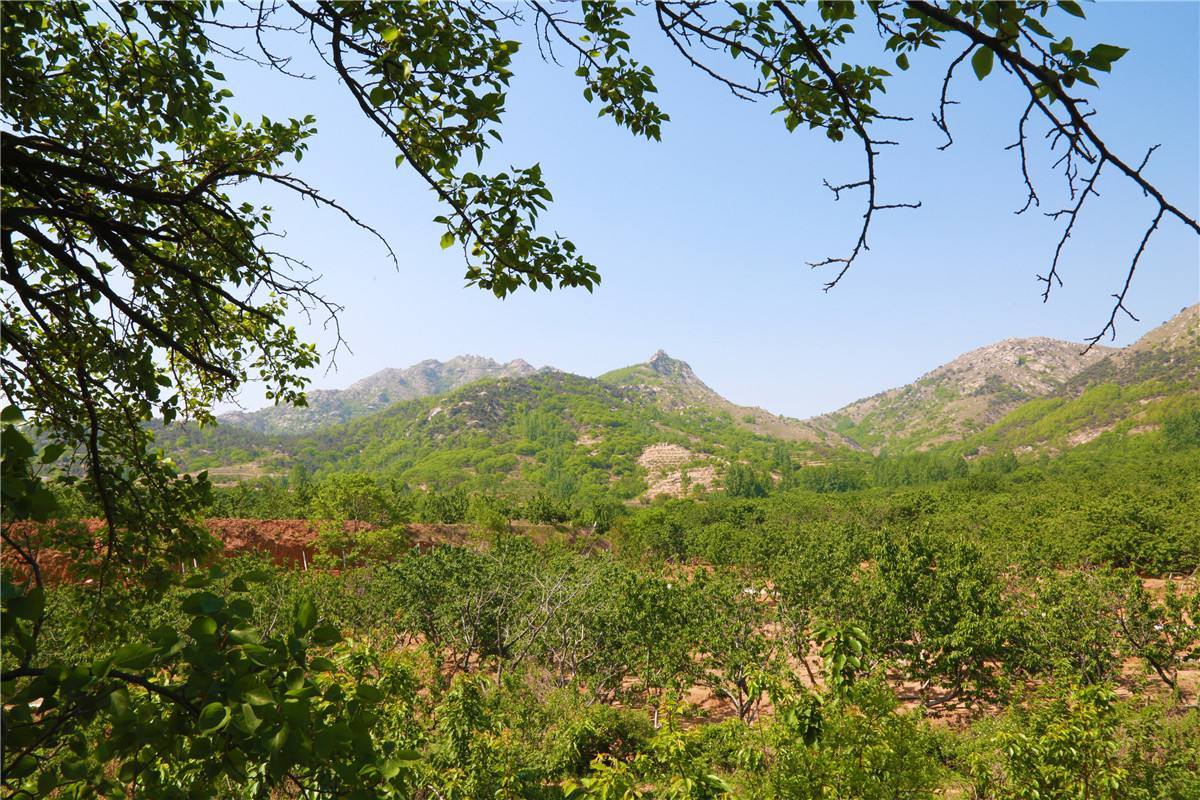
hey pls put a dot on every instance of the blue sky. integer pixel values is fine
(702, 240)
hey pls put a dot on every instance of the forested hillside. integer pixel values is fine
(947, 623)
(656, 428)
(571, 436)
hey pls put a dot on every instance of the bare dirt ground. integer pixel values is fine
(666, 473)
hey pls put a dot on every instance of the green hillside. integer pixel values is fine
(656, 429)
(1108, 413)
(962, 397)
(674, 386)
(1033, 395)
(1131, 393)
(554, 431)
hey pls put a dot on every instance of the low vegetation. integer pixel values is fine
(890, 630)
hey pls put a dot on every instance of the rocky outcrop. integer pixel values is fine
(963, 396)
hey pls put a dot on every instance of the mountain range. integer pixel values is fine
(374, 392)
(657, 424)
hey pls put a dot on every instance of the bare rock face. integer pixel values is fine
(673, 369)
(1034, 366)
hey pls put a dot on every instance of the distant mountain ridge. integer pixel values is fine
(551, 430)
(962, 397)
(1028, 396)
(980, 388)
(376, 392)
(1130, 392)
(674, 386)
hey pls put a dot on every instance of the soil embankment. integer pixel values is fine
(287, 542)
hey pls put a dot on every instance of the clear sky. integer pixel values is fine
(702, 240)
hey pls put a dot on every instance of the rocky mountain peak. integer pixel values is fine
(662, 364)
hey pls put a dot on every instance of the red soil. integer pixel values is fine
(288, 542)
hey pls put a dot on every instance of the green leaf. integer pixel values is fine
(306, 614)
(1102, 56)
(321, 664)
(135, 656)
(1071, 7)
(258, 696)
(29, 606)
(202, 627)
(389, 34)
(11, 414)
(326, 635)
(75, 769)
(25, 765)
(368, 693)
(380, 95)
(902, 61)
(51, 452)
(407, 756)
(263, 656)
(213, 717)
(249, 720)
(276, 742)
(447, 240)
(244, 636)
(202, 603)
(118, 703)
(982, 61)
